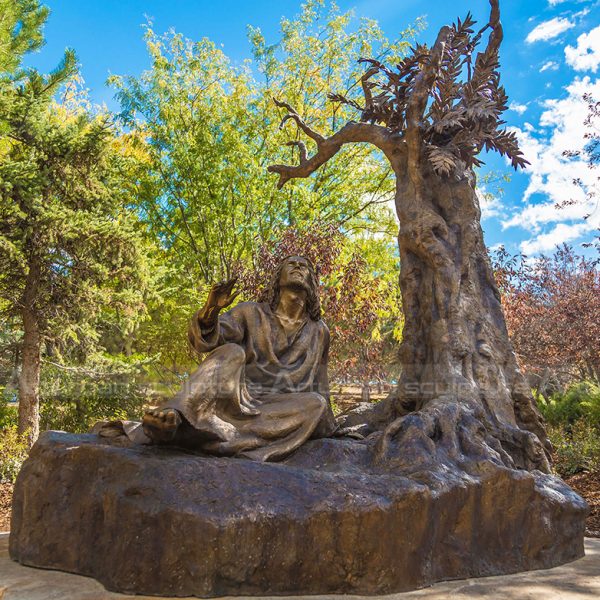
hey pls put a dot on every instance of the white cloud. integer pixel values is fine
(551, 174)
(586, 56)
(557, 2)
(518, 108)
(494, 247)
(582, 13)
(549, 65)
(561, 234)
(549, 29)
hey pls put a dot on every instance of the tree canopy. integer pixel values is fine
(68, 246)
(113, 226)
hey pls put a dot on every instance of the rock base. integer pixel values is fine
(330, 519)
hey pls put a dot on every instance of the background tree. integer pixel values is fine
(552, 307)
(431, 116)
(67, 247)
(20, 33)
(360, 306)
(203, 130)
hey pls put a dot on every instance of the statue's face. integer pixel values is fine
(295, 273)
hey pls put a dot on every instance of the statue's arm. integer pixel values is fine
(208, 329)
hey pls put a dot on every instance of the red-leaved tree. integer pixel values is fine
(352, 298)
(552, 308)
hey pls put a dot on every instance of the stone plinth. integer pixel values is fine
(330, 519)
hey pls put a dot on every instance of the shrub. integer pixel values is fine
(8, 413)
(13, 452)
(77, 408)
(73, 400)
(591, 406)
(576, 447)
(579, 401)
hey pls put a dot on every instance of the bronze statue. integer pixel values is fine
(449, 484)
(263, 389)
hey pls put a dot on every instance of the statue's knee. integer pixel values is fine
(223, 370)
(229, 352)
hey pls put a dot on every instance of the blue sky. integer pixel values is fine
(550, 57)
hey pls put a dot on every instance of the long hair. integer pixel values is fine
(313, 303)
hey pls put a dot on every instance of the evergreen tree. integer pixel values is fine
(20, 32)
(68, 247)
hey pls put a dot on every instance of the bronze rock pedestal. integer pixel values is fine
(338, 516)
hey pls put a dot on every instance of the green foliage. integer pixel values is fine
(580, 401)
(76, 406)
(317, 54)
(576, 447)
(8, 413)
(573, 419)
(334, 407)
(198, 191)
(13, 452)
(74, 398)
(204, 131)
(71, 255)
(20, 31)
(62, 199)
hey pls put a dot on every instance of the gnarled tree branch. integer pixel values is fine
(302, 149)
(364, 80)
(292, 114)
(327, 147)
(495, 38)
(497, 33)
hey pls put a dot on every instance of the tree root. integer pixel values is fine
(447, 433)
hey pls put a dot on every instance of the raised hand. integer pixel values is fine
(220, 295)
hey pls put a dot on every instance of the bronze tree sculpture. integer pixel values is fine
(431, 115)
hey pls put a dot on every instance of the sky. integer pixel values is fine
(550, 57)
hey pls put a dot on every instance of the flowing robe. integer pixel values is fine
(259, 393)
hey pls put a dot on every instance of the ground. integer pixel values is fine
(586, 484)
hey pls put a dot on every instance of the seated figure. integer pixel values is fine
(263, 389)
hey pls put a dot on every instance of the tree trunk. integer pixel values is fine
(365, 394)
(455, 344)
(29, 380)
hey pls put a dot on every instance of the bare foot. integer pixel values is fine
(161, 425)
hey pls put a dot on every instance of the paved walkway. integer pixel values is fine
(578, 580)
